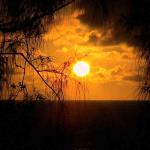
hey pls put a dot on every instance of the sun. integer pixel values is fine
(81, 68)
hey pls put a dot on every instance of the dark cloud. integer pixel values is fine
(78, 30)
(126, 57)
(133, 78)
(107, 42)
(93, 38)
(106, 39)
(114, 48)
(128, 20)
(101, 75)
(118, 71)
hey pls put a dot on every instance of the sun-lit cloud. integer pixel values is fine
(112, 62)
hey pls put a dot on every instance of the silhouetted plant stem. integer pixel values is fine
(36, 70)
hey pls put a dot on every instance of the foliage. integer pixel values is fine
(22, 24)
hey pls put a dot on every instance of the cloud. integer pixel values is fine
(93, 38)
(107, 65)
(133, 78)
(117, 71)
(128, 20)
(107, 43)
(126, 57)
(114, 48)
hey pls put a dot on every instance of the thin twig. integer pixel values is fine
(27, 22)
(21, 54)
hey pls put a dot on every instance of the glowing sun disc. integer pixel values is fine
(81, 68)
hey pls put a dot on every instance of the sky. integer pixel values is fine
(111, 36)
(113, 74)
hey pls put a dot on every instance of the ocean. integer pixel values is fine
(74, 125)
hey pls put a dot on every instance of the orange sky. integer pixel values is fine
(113, 67)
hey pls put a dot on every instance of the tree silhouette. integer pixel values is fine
(22, 24)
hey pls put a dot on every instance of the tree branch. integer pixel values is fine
(13, 27)
(36, 70)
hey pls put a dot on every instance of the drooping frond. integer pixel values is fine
(30, 17)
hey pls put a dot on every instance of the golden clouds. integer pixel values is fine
(111, 61)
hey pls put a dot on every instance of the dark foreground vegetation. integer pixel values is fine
(74, 125)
